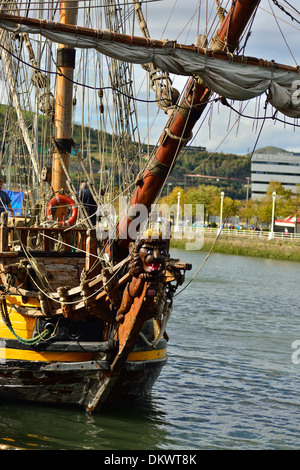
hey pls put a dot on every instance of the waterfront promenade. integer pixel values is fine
(262, 244)
(253, 234)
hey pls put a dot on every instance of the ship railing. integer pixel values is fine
(44, 239)
(15, 237)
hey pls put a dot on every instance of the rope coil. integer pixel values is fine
(5, 317)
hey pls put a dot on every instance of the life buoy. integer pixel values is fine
(61, 199)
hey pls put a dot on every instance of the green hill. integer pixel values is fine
(219, 169)
(223, 170)
(270, 149)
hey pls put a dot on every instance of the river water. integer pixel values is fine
(232, 380)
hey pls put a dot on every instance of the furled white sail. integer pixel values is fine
(227, 76)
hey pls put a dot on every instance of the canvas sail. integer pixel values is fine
(232, 77)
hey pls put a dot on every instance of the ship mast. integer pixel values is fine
(180, 124)
(63, 101)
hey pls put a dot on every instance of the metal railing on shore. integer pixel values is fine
(252, 233)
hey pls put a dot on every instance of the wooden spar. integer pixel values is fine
(234, 24)
(44, 26)
(63, 100)
(181, 123)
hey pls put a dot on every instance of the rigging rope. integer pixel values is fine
(292, 55)
(256, 118)
(41, 3)
(297, 11)
(140, 100)
(121, 92)
(221, 222)
(286, 12)
(41, 288)
(179, 139)
(5, 317)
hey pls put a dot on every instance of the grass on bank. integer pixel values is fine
(288, 250)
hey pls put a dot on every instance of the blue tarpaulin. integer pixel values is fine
(16, 200)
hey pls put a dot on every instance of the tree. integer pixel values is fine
(293, 201)
(205, 195)
(293, 205)
(173, 197)
(171, 202)
(248, 210)
(287, 203)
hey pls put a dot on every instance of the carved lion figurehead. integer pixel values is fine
(149, 254)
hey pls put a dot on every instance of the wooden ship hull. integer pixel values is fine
(74, 329)
(73, 372)
(68, 348)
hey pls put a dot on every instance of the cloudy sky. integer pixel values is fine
(274, 37)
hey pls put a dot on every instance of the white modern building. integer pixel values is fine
(266, 167)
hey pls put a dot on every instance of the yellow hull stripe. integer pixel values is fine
(18, 300)
(22, 355)
(147, 355)
(23, 325)
(44, 356)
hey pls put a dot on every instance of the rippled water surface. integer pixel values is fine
(230, 382)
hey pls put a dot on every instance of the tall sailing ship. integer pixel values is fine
(84, 308)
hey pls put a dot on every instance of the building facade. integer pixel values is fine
(266, 167)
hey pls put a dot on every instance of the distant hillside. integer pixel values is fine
(223, 170)
(198, 166)
(270, 149)
(226, 170)
(8, 116)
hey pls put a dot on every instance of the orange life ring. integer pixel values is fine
(61, 199)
